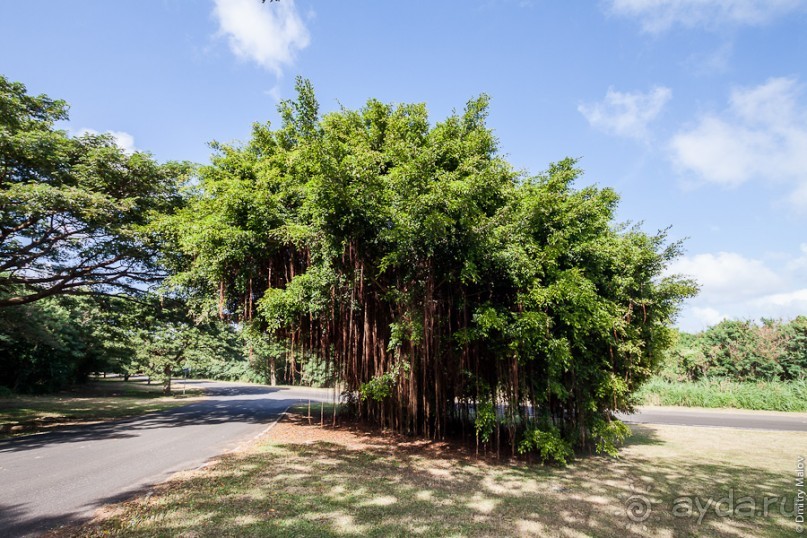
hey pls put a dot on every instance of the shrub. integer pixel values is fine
(609, 435)
(547, 443)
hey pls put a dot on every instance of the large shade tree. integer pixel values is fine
(444, 288)
(74, 210)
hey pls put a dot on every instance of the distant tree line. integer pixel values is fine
(55, 342)
(741, 350)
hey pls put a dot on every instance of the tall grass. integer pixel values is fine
(761, 395)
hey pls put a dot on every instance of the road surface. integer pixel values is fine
(719, 418)
(63, 476)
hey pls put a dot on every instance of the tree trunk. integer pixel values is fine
(167, 382)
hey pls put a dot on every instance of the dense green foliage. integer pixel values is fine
(57, 341)
(741, 351)
(426, 273)
(74, 211)
(163, 339)
(44, 346)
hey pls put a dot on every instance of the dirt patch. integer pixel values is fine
(295, 428)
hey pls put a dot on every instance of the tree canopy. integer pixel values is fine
(74, 210)
(439, 284)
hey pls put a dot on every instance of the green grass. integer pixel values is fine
(97, 400)
(304, 480)
(768, 396)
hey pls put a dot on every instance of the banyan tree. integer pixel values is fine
(448, 292)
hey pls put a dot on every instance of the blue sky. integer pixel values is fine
(695, 111)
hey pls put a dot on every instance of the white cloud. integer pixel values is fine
(626, 114)
(728, 276)
(736, 287)
(799, 263)
(798, 198)
(270, 34)
(761, 136)
(123, 140)
(793, 300)
(660, 15)
(707, 316)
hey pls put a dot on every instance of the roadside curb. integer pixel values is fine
(246, 443)
(264, 431)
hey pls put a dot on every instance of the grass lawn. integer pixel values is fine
(304, 480)
(759, 395)
(102, 399)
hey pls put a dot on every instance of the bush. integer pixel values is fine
(547, 443)
(485, 420)
(740, 351)
(608, 435)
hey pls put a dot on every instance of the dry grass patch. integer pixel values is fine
(304, 480)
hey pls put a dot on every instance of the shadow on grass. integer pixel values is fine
(419, 489)
(97, 400)
(642, 436)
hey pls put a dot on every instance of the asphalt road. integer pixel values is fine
(63, 476)
(719, 418)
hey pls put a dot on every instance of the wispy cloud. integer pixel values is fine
(762, 135)
(704, 317)
(626, 114)
(712, 62)
(124, 140)
(728, 276)
(274, 93)
(269, 34)
(660, 15)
